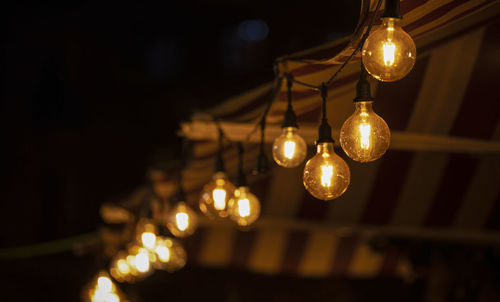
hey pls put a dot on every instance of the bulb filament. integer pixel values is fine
(389, 50)
(289, 149)
(182, 220)
(244, 207)
(326, 175)
(364, 130)
(219, 196)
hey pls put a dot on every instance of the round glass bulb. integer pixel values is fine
(244, 207)
(120, 269)
(171, 256)
(289, 149)
(326, 175)
(182, 221)
(146, 232)
(215, 196)
(389, 53)
(365, 136)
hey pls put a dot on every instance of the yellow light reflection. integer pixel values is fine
(289, 149)
(326, 175)
(219, 197)
(182, 221)
(389, 50)
(244, 207)
(148, 240)
(364, 130)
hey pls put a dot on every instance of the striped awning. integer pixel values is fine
(412, 192)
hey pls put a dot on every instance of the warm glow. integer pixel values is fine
(163, 253)
(123, 267)
(364, 132)
(100, 296)
(105, 284)
(289, 149)
(389, 50)
(182, 221)
(142, 261)
(365, 136)
(148, 240)
(244, 207)
(219, 197)
(326, 175)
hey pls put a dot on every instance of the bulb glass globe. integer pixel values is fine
(120, 268)
(389, 53)
(171, 256)
(289, 149)
(326, 175)
(244, 207)
(215, 196)
(182, 221)
(365, 136)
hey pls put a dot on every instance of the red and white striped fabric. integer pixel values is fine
(447, 93)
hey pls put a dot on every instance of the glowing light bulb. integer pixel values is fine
(289, 149)
(389, 53)
(171, 254)
(182, 220)
(244, 207)
(148, 240)
(105, 284)
(326, 175)
(142, 261)
(103, 290)
(365, 136)
(215, 196)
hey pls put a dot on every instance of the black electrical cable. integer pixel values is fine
(241, 180)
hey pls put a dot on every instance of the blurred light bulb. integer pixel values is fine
(142, 260)
(120, 268)
(215, 196)
(148, 240)
(389, 53)
(182, 220)
(105, 284)
(365, 136)
(326, 175)
(171, 254)
(103, 290)
(289, 149)
(244, 207)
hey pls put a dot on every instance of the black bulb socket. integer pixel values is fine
(325, 133)
(391, 9)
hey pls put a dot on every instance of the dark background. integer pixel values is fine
(94, 90)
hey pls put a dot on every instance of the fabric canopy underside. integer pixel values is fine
(457, 61)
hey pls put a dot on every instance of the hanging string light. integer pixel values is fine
(289, 149)
(389, 53)
(216, 194)
(326, 175)
(364, 136)
(182, 221)
(244, 207)
(170, 255)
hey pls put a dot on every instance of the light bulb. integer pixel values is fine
(103, 290)
(146, 232)
(289, 149)
(365, 136)
(182, 220)
(171, 256)
(120, 268)
(244, 207)
(139, 260)
(326, 175)
(215, 195)
(389, 53)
